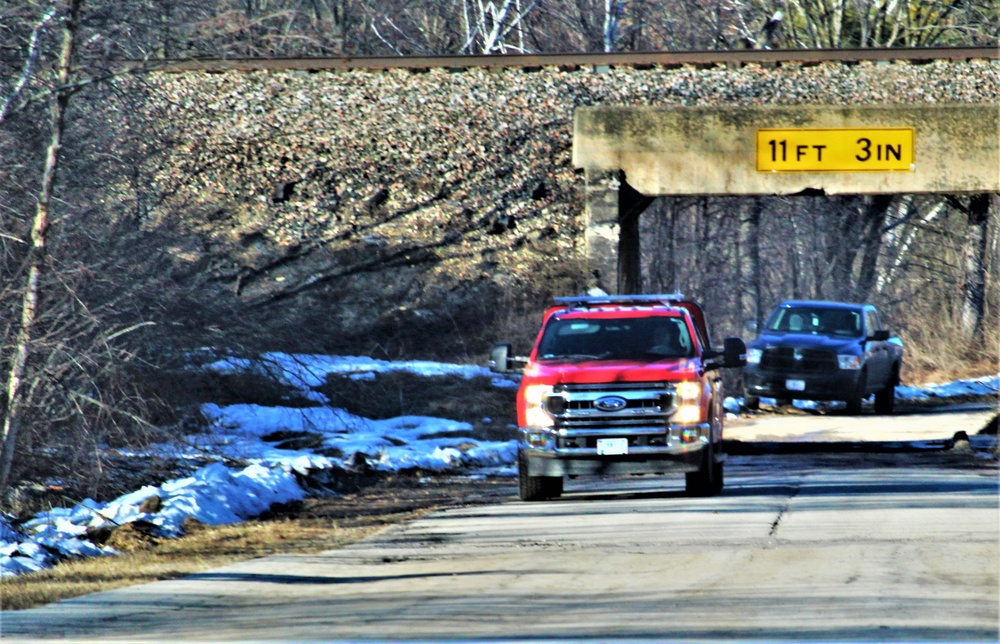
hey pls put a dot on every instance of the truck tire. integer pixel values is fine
(885, 399)
(854, 402)
(751, 402)
(708, 480)
(536, 488)
(553, 486)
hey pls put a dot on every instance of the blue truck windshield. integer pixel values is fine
(821, 321)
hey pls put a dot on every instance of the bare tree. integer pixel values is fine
(976, 261)
(453, 27)
(571, 25)
(13, 412)
(495, 27)
(14, 94)
(753, 282)
(72, 267)
(613, 10)
(862, 23)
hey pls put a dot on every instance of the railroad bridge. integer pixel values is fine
(633, 153)
(638, 126)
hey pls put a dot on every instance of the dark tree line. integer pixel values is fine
(152, 29)
(929, 261)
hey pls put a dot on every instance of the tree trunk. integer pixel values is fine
(753, 252)
(13, 417)
(666, 248)
(612, 16)
(974, 288)
(871, 245)
(845, 229)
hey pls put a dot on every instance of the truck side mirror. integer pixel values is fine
(734, 353)
(882, 335)
(499, 361)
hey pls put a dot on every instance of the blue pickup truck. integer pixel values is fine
(823, 351)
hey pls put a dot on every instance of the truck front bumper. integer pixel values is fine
(841, 384)
(679, 450)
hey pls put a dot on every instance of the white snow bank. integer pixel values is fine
(216, 494)
(985, 386)
(213, 495)
(306, 372)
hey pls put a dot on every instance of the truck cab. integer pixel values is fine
(824, 351)
(620, 385)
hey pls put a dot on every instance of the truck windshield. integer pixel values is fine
(652, 338)
(820, 321)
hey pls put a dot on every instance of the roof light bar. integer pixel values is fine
(595, 300)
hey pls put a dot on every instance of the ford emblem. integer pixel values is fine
(610, 403)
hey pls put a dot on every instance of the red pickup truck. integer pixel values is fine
(620, 385)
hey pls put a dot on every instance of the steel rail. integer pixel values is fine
(576, 61)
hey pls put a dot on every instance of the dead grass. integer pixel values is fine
(490, 410)
(314, 525)
(938, 355)
(203, 548)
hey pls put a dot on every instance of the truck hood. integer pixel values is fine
(608, 371)
(807, 341)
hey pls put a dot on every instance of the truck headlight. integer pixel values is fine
(849, 362)
(689, 410)
(689, 390)
(753, 356)
(687, 414)
(534, 406)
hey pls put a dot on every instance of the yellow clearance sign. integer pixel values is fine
(889, 149)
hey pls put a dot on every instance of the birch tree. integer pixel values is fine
(495, 27)
(613, 10)
(71, 264)
(834, 24)
(454, 27)
(976, 263)
(13, 411)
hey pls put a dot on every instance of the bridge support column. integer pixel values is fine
(602, 229)
(612, 233)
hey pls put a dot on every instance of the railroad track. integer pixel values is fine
(637, 60)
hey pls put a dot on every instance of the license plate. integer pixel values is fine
(611, 446)
(795, 385)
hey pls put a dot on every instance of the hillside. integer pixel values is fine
(422, 214)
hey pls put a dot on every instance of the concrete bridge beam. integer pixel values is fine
(945, 149)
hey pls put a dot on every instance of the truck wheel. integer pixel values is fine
(553, 486)
(854, 402)
(751, 402)
(708, 480)
(532, 488)
(885, 399)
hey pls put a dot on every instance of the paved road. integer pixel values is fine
(911, 423)
(890, 546)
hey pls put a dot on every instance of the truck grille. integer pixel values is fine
(647, 406)
(791, 360)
